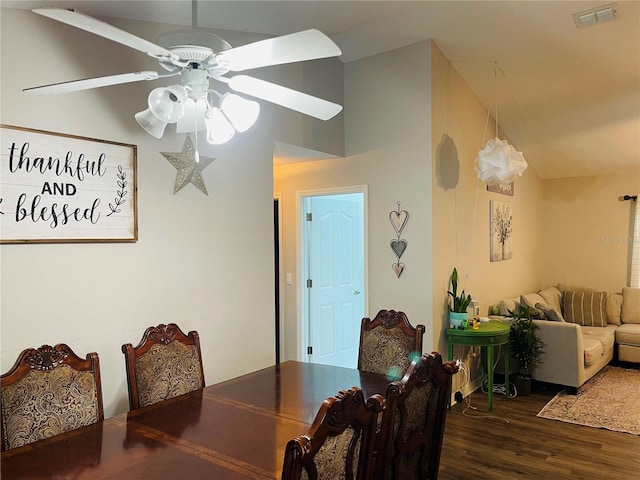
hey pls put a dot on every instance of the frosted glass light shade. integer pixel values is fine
(219, 130)
(193, 118)
(167, 103)
(242, 113)
(151, 123)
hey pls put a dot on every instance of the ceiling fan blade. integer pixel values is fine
(298, 101)
(98, 27)
(87, 83)
(295, 47)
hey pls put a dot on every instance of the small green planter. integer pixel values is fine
(458, 319)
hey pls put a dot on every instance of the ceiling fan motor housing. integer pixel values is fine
(196, 81)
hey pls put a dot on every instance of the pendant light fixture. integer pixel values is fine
(498, 162)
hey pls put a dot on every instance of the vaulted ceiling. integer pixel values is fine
(567, 97)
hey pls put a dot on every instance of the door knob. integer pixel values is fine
(357, 292)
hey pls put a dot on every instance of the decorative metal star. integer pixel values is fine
(189, 170)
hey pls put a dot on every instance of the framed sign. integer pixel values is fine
(64, 188)
(503, 188)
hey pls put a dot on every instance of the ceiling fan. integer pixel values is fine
(203, 60)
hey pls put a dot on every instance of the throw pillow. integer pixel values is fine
(550, 313)
(585, 308)
(505, 305)
(530, 300)
(630, 305)
(613, 308)
(552, 297)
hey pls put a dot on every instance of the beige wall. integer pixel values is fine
(387, 137)
(461, 209)
(204, 262)
(589, 230)
(460, 215)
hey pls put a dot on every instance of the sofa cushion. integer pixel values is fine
(585, 308)
(530, 300)
(550, 313)
(630, 305)
(628, 353)
(509, 305)
(592, 351)
(597, 341)
(553, 297)
(628, 334)
(613, 307)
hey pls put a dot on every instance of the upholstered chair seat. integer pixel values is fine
(49, 391)
(413, 423)
(167, 371)
(340, 443)
(388, 344)
(165, 364)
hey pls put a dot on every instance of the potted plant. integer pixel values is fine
(526, 348)
(458, 314)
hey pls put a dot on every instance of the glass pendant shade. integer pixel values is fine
(219, 130)
(152, 124)
(193, 118)
(242, 113)
(167, 103)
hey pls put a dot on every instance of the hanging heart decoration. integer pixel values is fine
(398, 220)
(398, 268)
(398, 247)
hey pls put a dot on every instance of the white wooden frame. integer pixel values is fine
(56, 188)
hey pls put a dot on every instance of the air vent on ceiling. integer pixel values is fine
(605, 13)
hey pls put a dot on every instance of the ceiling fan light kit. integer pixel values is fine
(201, 58)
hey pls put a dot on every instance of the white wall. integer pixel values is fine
(387, 142)
(204, 262)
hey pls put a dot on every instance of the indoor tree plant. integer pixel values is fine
(459, 303)
(525, 347)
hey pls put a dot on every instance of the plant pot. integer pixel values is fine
(522, 384)
(458, 319)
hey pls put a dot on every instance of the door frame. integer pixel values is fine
(303, 262)
(279, 268)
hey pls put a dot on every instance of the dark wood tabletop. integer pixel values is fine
(236, 429)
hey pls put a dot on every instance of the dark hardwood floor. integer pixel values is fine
(512, 443)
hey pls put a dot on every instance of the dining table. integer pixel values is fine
(236, 430)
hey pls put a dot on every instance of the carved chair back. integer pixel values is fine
(48, 391)
(388, 344)
(340, 442)
(413, 423)
(165, 364)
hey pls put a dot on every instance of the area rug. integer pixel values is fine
(609, 400)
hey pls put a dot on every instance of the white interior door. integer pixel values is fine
(335, 287)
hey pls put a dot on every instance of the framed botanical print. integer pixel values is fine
(500, 230)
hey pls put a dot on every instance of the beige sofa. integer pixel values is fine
(581, 330)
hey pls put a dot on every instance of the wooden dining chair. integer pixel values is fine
(340, 442)
(388, 344)
(413, 423)
(48, 391)
(165, 364)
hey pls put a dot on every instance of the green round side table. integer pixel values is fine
(488, 335)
